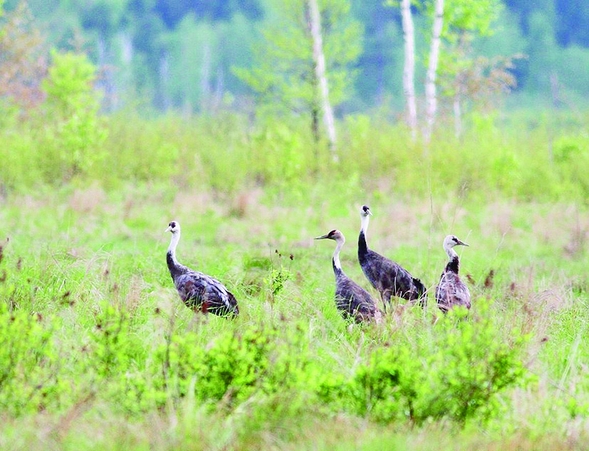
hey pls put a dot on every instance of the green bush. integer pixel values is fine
(456, 373)
(235, 365)
(72, 135)
(28, 373)
(116, 362)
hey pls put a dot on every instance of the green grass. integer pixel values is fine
(87, 268)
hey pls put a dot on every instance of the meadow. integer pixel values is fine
(99, 352)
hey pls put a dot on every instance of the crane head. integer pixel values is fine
(335, 235)
(451, 241)
(173, 226)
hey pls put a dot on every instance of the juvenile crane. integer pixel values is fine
(451, 291)
(389, 278)
(198, 291)
(353, 301)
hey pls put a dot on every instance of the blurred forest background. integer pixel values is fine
(187, 55)
(240, 93)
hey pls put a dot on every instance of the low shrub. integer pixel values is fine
(457, 372)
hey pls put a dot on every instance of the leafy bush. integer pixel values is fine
(116, 361)
(457, 373)
(235, 365)
(28, 377)
(73, 132)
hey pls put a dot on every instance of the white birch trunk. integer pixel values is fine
(320, 73)
(409, 67)
(431, 100)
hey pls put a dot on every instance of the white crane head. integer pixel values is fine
(174, 227)
(451, 240)
(365, 211)
(334, 235)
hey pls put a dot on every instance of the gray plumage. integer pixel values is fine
(198, 291)
(451, 291)
(353, 301)
(387, 277)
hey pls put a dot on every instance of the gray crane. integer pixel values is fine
(387, 277)
(451, 291)
(198, 291)
(353, 301)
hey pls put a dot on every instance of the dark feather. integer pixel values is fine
(387, 277)
(353, 301)
(201, 292)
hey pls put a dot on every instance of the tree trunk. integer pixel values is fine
(105, 82)
(124, 84)
(205, 78)
(409, 67)
(431, 100)
(164, 72)
(320, 72)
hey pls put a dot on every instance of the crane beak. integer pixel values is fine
(322, 237)
(461, 243)
(168, 229)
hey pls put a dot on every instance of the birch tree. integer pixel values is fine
(319, 59)
(431, 100)
(409, 66)
(304, 65)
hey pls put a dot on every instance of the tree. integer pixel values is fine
(463, 75)
(319, 60)
(284, 71)
(409, 66)
(103, 19)
(431, 100)
(73, 128)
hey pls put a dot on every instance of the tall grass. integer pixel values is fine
(542, 158)
(95, 336)
(84, 278)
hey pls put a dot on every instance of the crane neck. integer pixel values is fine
(453, 260)
(171, 254)
(337, 266)
(364, 221)
(451, 253)
(362, 245)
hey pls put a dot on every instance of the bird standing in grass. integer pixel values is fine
(451, 291)
(387, 277)
(353, 301)
(198, 291)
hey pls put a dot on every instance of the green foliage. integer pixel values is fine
(466, 16)
(74, 132)
(456, 373)
(235, 365)
(283, 72)
(28, 377)
(200, 42)
(111, 342)
(102, 353)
